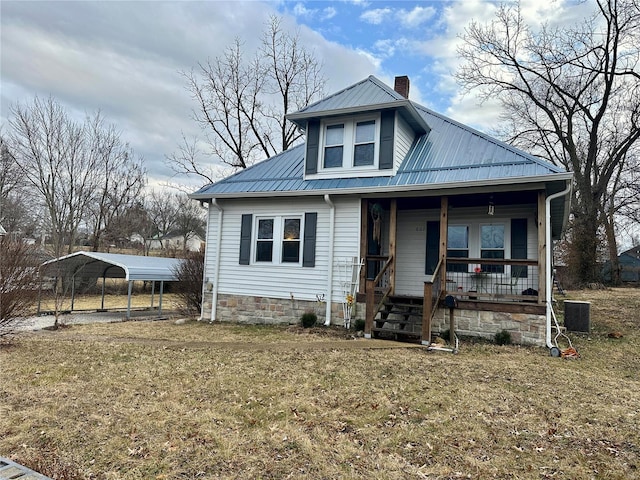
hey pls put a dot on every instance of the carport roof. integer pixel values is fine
(114, 265)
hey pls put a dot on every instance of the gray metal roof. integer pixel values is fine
(114, 265)
(367, 95)
(449, 155)
(369, 91)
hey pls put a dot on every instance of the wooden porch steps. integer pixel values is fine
(400, 318)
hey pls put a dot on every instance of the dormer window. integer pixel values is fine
(350, 143)
(364, 145)
(334, 146)
(364, 148)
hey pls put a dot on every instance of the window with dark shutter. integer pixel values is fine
(519, 244)
(313, 143)
(433, 247)
(309, 245)
(387, 126)
(245, 239)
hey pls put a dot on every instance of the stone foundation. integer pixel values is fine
(525, 328)
(273, 311)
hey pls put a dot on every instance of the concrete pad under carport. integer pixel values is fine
(41, 322)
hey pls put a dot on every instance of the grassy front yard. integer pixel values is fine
(155, 400)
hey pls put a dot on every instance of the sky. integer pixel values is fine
(125, 58)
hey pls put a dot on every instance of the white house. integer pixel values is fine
(430, 207)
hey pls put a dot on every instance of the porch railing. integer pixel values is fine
(378, 288)
(432, 294)
(500, 280)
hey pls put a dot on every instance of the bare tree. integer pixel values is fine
(121, 181)
(571, 95)
(53, 157)
(242, 101)
(18, 283)
(190, 220)
(162, 211)
(15, 210)
(189, 274)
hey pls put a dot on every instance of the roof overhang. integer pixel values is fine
(529, 183)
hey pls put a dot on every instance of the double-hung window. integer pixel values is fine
(492, 246)
(457, 246)
(264, 240)
(278, 239)
(351, 143)
(365, 143)
(291, 240)
(334, 146)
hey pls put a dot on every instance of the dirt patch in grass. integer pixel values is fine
(164, 401)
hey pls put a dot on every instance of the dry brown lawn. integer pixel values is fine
(156, 400)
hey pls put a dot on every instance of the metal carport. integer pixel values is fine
(113, 265)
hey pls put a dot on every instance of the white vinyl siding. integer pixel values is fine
(284, 280)
(404, 137)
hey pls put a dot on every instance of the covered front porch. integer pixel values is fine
(485, 250)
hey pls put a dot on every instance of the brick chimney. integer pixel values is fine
(402, 86)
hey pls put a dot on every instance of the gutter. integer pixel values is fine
(549, 252)
(535, 182)
(216, 273)
(329, 298)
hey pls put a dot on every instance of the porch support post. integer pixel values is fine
(426, 314)
(370, 305)
(444, 222)
(542, 248)
(364, 219)
(393, 222)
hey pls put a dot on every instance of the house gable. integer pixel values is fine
(362, 131)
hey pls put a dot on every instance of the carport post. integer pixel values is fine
(73, 291)
(160, 301)
(153, 291)
(102, 302)
(129, 300)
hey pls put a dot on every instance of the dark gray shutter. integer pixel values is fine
(245, 239)
(309, 247)
(313, 147)
(519, 244)
(433, 247)
(387, 126)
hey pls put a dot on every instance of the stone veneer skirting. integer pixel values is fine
(272, 311)
(525, 328)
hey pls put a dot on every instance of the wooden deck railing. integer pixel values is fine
(432, 293)
(379, 288)
(498, 280)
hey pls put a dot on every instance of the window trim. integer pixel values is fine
(278, 239)
(349, 143)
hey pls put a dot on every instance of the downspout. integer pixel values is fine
(329, 297)
(549, 252)
(216, 273)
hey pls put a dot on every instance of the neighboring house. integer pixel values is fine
(195, 242)
(431, 206)
(629, 262)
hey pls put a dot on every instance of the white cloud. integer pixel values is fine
(328, 13)
(299, 10)
(416, 17)
(376, 16)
